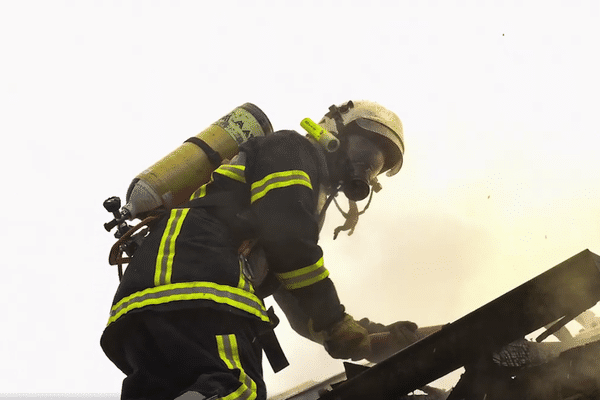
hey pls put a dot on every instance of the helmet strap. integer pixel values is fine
(351, 216)
(326, 205)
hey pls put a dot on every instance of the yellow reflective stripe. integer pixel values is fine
(222, 294)
(161, 249)
(244, 282)
(236, 172)
(229, 353)
(223, 351)
(302, 271)
(304, 276)
(166, 250)
(201, 192)
(172, 253)
(278, 180)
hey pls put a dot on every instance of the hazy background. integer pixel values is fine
(499, 102)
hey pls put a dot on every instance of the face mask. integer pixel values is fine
(363, 162)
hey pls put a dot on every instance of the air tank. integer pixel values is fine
(171, 181)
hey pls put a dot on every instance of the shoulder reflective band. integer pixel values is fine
(304, 276)
(278, 180)
(237, 172)
(201, 192)
(222, 294)
(228, 351)
(166, 251)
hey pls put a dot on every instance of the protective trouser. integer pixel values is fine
(165, 354)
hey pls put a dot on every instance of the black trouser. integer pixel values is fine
(165, 354)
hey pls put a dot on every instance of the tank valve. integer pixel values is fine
(113, 205)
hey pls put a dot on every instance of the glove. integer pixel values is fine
(404, 333)
(347, 339)
(390, 339)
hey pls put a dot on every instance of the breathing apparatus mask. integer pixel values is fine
(362, 161)
(368, 140)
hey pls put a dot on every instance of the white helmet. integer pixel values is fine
(373, 119)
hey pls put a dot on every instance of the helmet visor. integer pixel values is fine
(386, 138)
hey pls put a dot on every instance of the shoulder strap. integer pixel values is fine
(213, 156)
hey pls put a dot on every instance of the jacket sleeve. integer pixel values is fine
(298, 320)
(284, 182)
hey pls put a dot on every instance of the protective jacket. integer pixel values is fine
(271, 193)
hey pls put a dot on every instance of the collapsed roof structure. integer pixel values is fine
(490, 344)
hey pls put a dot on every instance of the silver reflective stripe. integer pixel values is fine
(244, 282)
(166, 250)
(278, 180)
(229, 353)
(201, 192)
(304, 276)
(222, 294)
(236, 172)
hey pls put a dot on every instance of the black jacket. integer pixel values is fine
(270, 192)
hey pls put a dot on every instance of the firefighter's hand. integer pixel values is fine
(404, 333)
(390, 339)
(347, 339)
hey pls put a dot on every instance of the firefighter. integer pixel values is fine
(188, 315)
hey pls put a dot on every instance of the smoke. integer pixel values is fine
(402, 266)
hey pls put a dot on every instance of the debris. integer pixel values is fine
(489, 343)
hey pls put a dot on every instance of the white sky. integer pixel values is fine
(500, 181)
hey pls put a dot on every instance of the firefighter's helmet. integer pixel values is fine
(375, 121)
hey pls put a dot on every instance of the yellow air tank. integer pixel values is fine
(172, 180)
